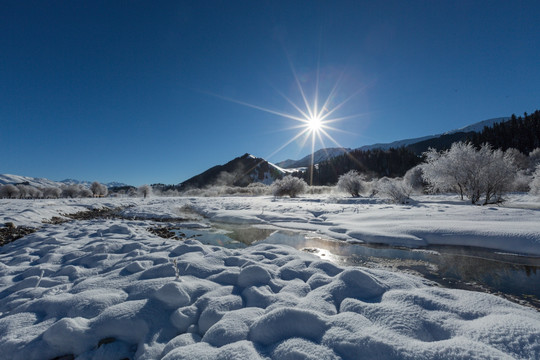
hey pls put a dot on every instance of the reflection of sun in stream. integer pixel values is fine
(322, 253)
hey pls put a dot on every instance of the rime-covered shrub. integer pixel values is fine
(394, 189)
(535, 183)
(70, 191)
(52, 192)
(534, 159)
(258, 188)
(84, 192)
(351, 183)
(413, 178)
(522, 181)
(472, 172)
(75, 190)
(9, 191)
(289, 185)
(29, 192)
(319, 189)
(520, 160)
(145, 190)
(98, 189)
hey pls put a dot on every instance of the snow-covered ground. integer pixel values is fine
(108, 289)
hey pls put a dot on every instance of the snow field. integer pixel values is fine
(107, 289)
(430, 220)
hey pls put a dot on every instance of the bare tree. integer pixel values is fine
(289, 185)
(352, 183)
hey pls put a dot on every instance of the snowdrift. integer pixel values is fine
(107, 289)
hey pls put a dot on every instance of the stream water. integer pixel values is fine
(514, 277)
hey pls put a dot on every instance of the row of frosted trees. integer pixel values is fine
(481, 175)
(26, 191)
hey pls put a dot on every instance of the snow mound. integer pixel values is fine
(118, 295)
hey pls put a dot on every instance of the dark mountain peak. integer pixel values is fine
(240, 171)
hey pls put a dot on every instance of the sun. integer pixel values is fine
(314, 123)
(314, 117)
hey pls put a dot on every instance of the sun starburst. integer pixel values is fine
(314, 119)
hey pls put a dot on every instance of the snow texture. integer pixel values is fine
(108, 289)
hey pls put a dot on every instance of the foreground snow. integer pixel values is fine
(107, 289)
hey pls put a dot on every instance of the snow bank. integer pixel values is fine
(431, 220)
(108, 290)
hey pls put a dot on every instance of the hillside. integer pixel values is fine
(240, 171)
(37, 182)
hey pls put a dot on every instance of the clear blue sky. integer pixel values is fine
(132, 91)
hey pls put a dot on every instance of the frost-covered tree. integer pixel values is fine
(98, 189)
(9, 191)
(145, 190)
(535, 183)
(52, 192)
(351, 183)
(413, 179)
(471, 172)
(520, 160)
(522, 180)
(394, 189)
(24, 191)
(289, 185)
(70, 191)
(29, 192)
(85, 192)
(443, 171)
(534, 159)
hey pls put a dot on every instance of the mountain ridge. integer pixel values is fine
(427, 139)
(240, 171)
(44, 182)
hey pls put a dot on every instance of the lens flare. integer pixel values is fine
(314, 120)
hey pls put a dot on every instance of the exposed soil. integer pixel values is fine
(165, 232)
(10, 233)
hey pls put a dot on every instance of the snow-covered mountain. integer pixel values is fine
(476, 127)
(318, 157)
(479, 126)
(325, 154)
(43, 182)
(37, 182)
(240, 171)
(88, 183)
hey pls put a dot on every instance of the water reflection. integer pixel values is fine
(452, 266)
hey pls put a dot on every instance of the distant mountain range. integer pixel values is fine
(318, 157)
(43, 182)
(248, 168)
(417, 145)
(88, 183)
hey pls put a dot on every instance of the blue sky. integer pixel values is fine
(136, 91)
